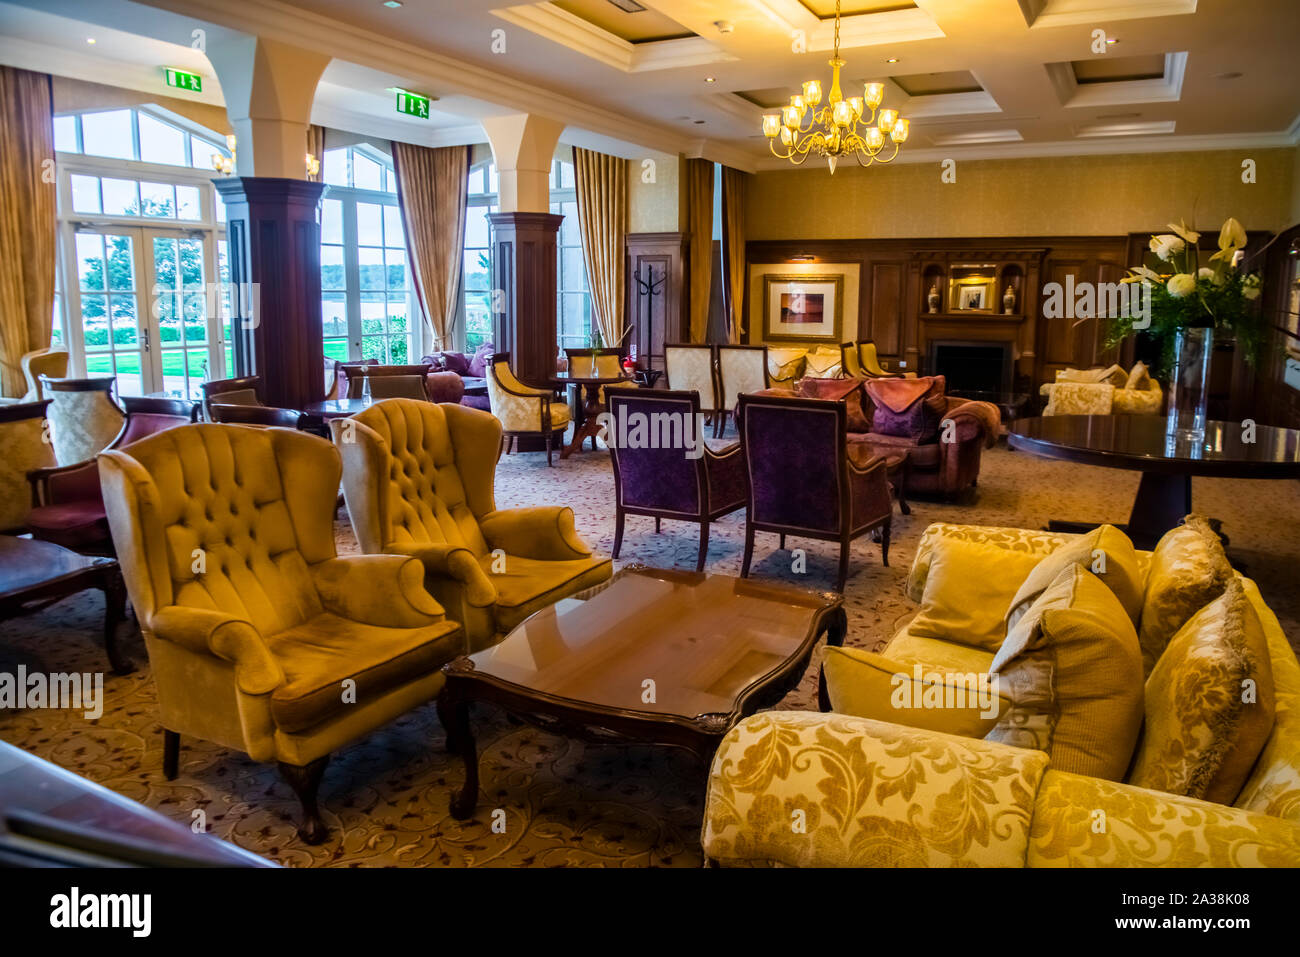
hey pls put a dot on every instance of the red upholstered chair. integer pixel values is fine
(244, 390)
(69, 508)
(265, 416)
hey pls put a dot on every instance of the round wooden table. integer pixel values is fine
(337, 408)
(588, 425)
(1167, 463)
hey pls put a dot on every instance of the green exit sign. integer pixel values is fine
(184, 80)
(413, 104)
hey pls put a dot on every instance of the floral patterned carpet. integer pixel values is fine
(566, 803)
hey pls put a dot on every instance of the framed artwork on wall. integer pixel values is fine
(799, 308)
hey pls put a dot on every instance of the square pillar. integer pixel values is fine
(524, 249)
(273, 238)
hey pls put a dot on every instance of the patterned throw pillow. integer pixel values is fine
(907, 408)
(1188, 570)
(1106, 552)
(823, 363)
(1139, 377)
(1073, 671)
(849, 391)
(1209, 704)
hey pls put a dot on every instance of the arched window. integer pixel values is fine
(366, 292)
(142, 250)
(573, 306)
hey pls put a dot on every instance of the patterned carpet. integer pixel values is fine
(566, 803)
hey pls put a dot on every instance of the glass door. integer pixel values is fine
(107, 299)
(184, 348)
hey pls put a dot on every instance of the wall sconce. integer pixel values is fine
(313, 165)
(222, 164)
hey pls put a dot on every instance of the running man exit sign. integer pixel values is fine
(413, 104)
(184, 80)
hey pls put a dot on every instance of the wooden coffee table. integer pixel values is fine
(35, 574)
(655, 657)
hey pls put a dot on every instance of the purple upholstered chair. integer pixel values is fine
(69, 507)
(806, 480)
(663, 482)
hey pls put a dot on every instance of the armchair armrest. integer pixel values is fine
(869, 491)
(205, 631)
(973, 420)
(384, 590)
(829, 790)
(545, 533)
(728, 479)
(1028, 540)
(456, 562)
(60, 484)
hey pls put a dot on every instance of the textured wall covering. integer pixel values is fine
(653, 207)
(1046, 196)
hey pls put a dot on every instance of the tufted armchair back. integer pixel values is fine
(224, 518)
(423, 473)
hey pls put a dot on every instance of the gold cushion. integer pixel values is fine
(323, 652)
(1188, 570)
(1106, 552)
(1209, 704)
(869, 685)
(823, 363)
(1139, 377)
(526, 585)
(967, 590)
(1073, 671)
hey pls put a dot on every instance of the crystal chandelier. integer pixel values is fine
(839, 128)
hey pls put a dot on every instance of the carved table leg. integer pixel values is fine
(114, 614)
(837, 627)
(171, 754)
(453, 712)
(305, 781)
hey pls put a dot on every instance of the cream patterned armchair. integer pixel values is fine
(1110, 391)
(84, 419)
(24, 447)
(694, 368)
(1200, 774)
(260, 637)
(37, 363)
(418, 480)
(785, 365)
(522, 409)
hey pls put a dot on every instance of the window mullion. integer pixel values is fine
(352, 274)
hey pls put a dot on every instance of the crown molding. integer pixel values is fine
(1167, 89)
(1039, 14)
(560, 26)
(370, 125)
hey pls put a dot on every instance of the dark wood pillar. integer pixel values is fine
(524, 270)
(274, 243)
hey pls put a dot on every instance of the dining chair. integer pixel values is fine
(661, 477)
(805, 479)
(523, 409)
(353, 384)
(399, 387)
(740, 369)
(694, 368)
(242, 390)
(260, 415)
(84, 418)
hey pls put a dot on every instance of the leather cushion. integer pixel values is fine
(321, 653)
(73, 524)
(526, 585)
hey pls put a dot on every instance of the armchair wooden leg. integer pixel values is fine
(656, 524)
(749, 550)
(171, 753)
(548, 448)
(704, 545)
(884, 544)
(305, 781)
(783, 541)
(618, 529)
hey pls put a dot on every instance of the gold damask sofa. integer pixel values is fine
(1110, 391)
(928, 789)
(418, 481)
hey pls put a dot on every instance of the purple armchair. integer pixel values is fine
(662, 481)
(806, 479)
(69, 508)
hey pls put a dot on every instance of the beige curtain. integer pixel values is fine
(432, 187)
(601, 182)
(27, 221)
(699, 233)
(733, 250)
(316, 147)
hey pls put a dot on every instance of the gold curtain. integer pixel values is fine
(28, 216)
(316, 147)
(699, 232)
(733, 249)
(601, 182)
(432, 187)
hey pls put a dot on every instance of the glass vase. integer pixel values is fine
(1189, 384)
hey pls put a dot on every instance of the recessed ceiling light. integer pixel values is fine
(892, 59)
(392, 4)
(710, 79)
(699, 122)
(1112, 41)
(90, 39)
(1233, 75)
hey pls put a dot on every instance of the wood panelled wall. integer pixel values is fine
(892, 294)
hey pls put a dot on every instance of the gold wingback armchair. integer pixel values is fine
(37, 363)
(418, 479)
(524, 409)
(259, 636)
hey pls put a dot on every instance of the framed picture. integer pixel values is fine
(798, 308)
(972, 297)
(972, 293)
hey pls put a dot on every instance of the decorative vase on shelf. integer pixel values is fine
(1189, 384)
(1009, 301)
(933, 298)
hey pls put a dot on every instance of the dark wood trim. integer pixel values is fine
(524, 250)
(659, 262)
(20, 411)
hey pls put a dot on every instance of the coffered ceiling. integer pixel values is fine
(977, 77)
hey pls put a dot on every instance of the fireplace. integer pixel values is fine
(972, 367)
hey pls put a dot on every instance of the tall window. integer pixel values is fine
(366, 292)
(573, 307)
(141, 231)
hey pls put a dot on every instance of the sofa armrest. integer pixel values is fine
(204, 631)
(829, 790)
(456, 562)
(544, 533)
(1028, 540)
(383, 590)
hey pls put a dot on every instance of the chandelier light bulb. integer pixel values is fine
(875, 139)
(791, 114)
(874, 93)
(812, 93)
(899, 133)
(843, 113)
(857, 104)
(771, 125)
(887, 120)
